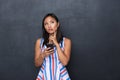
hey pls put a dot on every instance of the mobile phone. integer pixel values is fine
(50, 45)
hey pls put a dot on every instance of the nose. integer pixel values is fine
(49, 25)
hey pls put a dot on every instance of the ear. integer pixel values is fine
(58, 24)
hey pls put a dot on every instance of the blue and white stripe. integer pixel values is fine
(52, 68)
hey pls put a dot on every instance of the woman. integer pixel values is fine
(52, 51)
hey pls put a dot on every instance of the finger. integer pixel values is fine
(49, 51)
(55, 34)
(47, 48)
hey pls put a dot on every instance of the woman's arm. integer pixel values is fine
(38, 56)
(64, 56)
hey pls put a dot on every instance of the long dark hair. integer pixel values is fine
(45, 34)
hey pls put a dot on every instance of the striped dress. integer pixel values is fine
(52, 68)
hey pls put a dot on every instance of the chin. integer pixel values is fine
(51, 32)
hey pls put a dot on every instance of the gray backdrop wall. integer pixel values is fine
(92, 25)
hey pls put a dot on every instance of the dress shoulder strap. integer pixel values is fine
(62, 43)
(41, 42)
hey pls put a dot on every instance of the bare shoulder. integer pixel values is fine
(67, 40)
(38, 42)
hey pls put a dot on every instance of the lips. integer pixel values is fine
(50, 29)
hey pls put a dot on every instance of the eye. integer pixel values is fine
(45, 23)
(52, 21)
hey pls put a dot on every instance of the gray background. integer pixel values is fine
(92, 25)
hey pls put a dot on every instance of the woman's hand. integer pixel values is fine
(53, 38)
(47, 52)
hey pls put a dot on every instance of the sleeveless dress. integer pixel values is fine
(52, 68)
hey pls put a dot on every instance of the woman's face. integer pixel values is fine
(51, 25)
